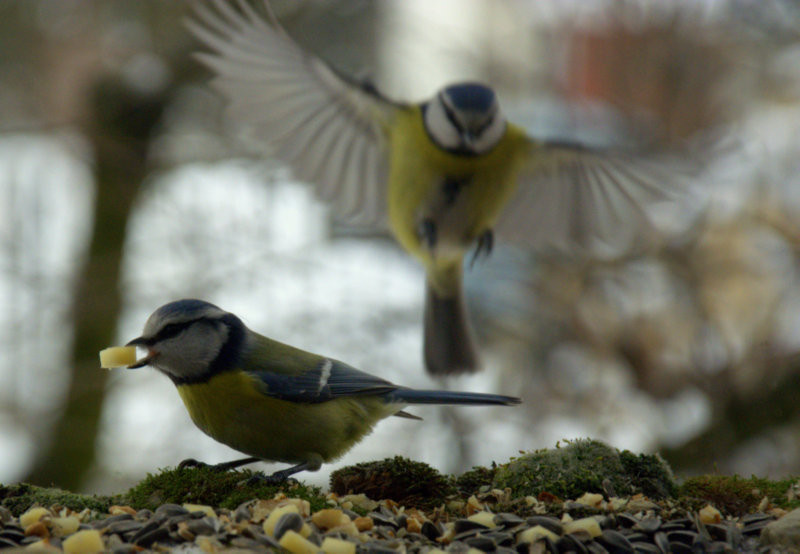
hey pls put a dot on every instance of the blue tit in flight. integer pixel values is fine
(267, 399)
(444, 175)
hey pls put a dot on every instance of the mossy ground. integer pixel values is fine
(21, 496)
(565, 472)
(205, 485)
(736, 495)
(403, 480)
(586, 465)
(220, 489)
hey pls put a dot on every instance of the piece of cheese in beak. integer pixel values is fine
(117, 356)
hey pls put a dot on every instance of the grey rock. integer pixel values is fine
(171, 510)
(784, 531)
(125, 526)
(204, 526)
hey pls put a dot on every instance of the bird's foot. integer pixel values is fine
(484, 246)
(273, 479)
(284, 475)
(191, 462)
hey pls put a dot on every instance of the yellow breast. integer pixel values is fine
(418, 170)
(230, 409)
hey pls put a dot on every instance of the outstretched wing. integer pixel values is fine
(329, 129)
(574, 198)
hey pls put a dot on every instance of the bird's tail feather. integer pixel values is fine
(449, 338)
(414, 396)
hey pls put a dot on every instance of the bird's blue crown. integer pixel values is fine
(185, 307)
(471, 96)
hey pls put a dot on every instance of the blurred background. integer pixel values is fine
(123, 187)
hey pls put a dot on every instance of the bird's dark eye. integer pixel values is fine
(169, 331)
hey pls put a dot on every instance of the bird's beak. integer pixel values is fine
(468, 139)
(151, 354)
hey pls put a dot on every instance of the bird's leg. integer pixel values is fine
(282, 475)
(426, 230)
(235, 463)
(225, 466)
(484, 246)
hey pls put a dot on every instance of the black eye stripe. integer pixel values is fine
(450, 114)
(171, 330)
(485, 125)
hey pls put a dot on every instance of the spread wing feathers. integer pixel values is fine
(329, 129)
(328, 380)
(573, 198)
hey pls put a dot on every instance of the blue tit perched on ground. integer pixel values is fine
(445, 175)
(267, 399)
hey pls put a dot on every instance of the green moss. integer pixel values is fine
(20, 497)
(736, 495)
(400, 479)
(567, 471)
(585, 466)
(778, 491)
(470, 482)
(649, 474)
(205, 485)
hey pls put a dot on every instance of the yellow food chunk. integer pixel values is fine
(361, 501)
(338, 546)
(591, 499)
(32, 516)
(588, 524)
(208, 510)
(709, 514)
(296, 544)
(38, 529)
(83, 542)
(484, 518)
(534, 534)
(65, 525)
(348, 528)
(117, 356)
(329, 518)
(116, 510)
(365, 523)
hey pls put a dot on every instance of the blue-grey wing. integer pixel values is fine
(328, 380)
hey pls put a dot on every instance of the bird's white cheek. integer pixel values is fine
(440, 129)
(490, 137)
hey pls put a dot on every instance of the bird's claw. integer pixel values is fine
(484, 246)
(272, 479)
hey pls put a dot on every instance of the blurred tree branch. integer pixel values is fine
(741, 416)
(120, 125)
(101, 66)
